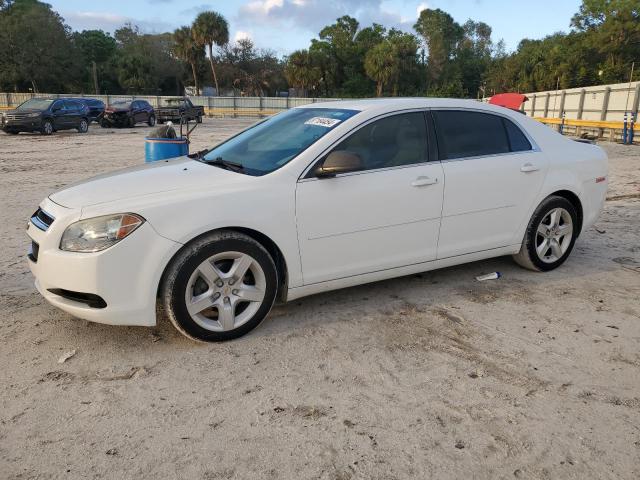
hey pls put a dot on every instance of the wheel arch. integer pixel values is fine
(264, 240)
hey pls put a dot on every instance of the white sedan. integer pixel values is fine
(316, 198)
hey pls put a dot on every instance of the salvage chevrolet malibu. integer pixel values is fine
(316, 198)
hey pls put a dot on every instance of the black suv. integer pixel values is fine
(127, 113)
(96, 108)
(46, 115)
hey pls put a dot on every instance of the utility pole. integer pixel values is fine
(95, 78)
(626, 105)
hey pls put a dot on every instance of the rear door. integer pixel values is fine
(384, 216)
(59, 112)
(493, 174)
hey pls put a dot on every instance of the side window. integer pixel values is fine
(58, 106)
(517, 141)
(135, 105)
(469, 134)
(390, 142)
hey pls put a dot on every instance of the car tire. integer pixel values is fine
(104, 124)
(47, 128)
(199, 119)
(12, 132)
(83, 127)
(219, 287)
(152, 120)
(132, 122)
(550, 235)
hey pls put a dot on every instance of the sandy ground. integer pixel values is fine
(428, 376)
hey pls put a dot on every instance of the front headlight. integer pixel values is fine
(33, 115)
(99, 233)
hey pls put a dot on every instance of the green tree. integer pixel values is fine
(37, 50)
(612, 28)
(211, 28)
(441, 35)
(187, 50)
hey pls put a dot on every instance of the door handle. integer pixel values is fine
(529, 167)
(423, 181)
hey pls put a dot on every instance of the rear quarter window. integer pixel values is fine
(517, 140)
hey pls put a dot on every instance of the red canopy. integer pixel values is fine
(509, 100)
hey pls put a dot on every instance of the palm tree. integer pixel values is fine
(380, 65)
(186, 49)
(209, 28)
(301, 71)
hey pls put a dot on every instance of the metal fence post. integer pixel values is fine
(235, 107)
(260, 109)
(287, 103)
(209, 109)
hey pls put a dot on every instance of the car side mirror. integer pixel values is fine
(338, 162)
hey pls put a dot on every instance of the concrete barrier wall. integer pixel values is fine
(238, 106)
(599, 103)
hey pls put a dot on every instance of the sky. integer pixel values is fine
(287, 25)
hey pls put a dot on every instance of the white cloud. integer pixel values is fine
(242, 35)
(111, 21)
(312, 15)
(422, 6)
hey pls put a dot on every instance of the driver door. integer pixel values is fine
(385, 215)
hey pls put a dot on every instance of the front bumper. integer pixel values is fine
(23, 124)
(126, 276)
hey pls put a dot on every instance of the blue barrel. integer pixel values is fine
(162, 148)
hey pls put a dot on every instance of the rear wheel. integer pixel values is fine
(47, 128)
(132, 122)
(550, 235)
(199, 119)
(220, 287)
(152, 120)
(83, 127)
(12, 132)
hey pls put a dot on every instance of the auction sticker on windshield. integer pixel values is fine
(322, 122)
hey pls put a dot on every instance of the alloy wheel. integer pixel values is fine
(553, 235)
(225, 291)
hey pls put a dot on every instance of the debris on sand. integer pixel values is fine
(489, 276)
(66, 356)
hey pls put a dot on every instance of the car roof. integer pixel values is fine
(382, 105)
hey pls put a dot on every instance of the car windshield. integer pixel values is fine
(270, 144)
(121, 104)
(35, 104)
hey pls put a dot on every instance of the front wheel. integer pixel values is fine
(199, 119)
(47, 127)
(220, 287)
(550, 235)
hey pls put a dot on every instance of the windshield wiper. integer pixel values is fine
(220, 162)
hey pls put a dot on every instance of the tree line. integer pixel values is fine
(440, 57)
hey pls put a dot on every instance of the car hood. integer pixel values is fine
(146, 179)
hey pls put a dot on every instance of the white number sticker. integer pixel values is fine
(322, 122)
